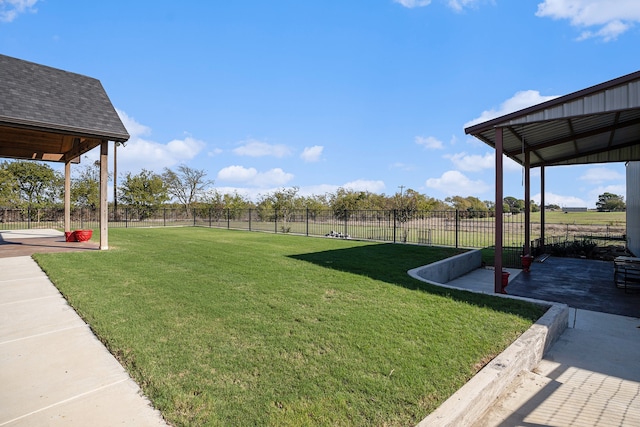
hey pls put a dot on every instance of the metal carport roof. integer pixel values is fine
(598, 124)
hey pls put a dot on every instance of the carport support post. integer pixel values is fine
(67, 195)
(527, 204)
(104, 207)
(542, 202)
(497, 285)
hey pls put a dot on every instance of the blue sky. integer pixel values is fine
(362, 94)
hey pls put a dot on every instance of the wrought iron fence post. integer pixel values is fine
(228, 218)
(307, 222)
(457, 226)
(394, 226)
(346, 218)
(249, 219)
(126, 217)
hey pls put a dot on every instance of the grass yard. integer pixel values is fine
(583, 218)
(230, 328)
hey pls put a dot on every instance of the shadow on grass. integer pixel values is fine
(390, 262)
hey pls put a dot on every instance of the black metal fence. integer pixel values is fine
(452, 228)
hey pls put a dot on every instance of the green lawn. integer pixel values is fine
(583, 218)
(230, 328)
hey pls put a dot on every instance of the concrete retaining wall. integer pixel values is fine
(451, 268)
(468, 404)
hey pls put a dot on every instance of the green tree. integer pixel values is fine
(85, 186)
(37, 184)
(609, 202)
(534, 206)
(316, 204)
(220, 205)
(345, 200)
(515, 206)
(410, 200)
(145, 191)
(458, 202)
(9, 193)
(280, 205)
(186, 185)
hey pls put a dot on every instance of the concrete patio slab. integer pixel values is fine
(29, 234)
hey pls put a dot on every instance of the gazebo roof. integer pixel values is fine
(51, 114)
(599, 124)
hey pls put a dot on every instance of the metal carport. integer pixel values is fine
(599, 124)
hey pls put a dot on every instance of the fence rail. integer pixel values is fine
(462, 229)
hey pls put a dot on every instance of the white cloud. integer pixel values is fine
(250, 176)
(429, 142)
(562, 201)
(455, 183)
(237, 174)
(317, 190)
(472, 163)
(10, 9)
(134, 128)
(600, 175)
(517, 102)
(403, 166)
(365, 185)
(254, 148)
(459, 5)
(276, 177)
(413, 3)
(476, 162)
(312, 154)
(142, 153)
(611, 19)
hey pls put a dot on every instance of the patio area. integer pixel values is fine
(14, 243)
(580, 283)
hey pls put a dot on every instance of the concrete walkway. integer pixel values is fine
(53, 370)
(589, 377)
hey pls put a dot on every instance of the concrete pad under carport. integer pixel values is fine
(54, 371)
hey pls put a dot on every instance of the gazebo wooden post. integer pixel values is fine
(67, 195)
(497, 287)
(104, 207)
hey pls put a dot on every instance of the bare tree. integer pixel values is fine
(186, 185)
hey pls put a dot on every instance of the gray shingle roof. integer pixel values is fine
(44, 98)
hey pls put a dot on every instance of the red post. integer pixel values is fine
(497, 287)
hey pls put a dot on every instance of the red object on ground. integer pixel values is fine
(526, 262)
(505, 281)
(69, 236)
(82, 235)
